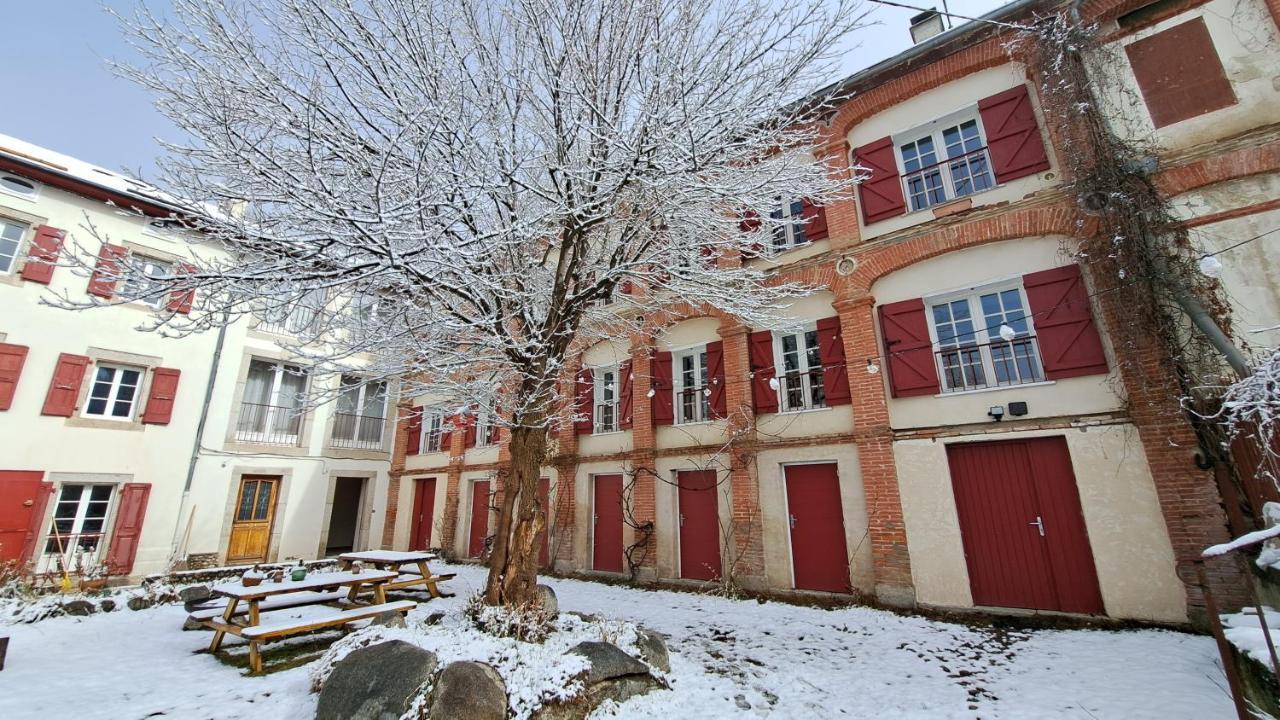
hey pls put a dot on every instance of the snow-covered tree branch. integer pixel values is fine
(451, 191)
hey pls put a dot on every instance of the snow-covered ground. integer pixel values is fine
(730, 658)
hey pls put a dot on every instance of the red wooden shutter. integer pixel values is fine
(36, 527)
(43, 255)
(103, 281)
(584, 395)
(1013, 137)
(715, 375)
(661, 404)
(750, 221)
(164, 388)
(1069, 341)
(413, 431)
(180, 299)
(908, 349)
(626, 288)
(764, 398)
(815, 220)
(128, 527)
(12, 358)
(64, 388)
(626, 403)
(881, 194)
(835, 373)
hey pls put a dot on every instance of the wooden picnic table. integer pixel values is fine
(396, 559)
(315, 589)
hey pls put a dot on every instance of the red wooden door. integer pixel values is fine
(479, 517)
(1024, 536)
(424, 506)
(819, 558)
(607, 528)
(544, 501)
(22, 503)
(699, 525)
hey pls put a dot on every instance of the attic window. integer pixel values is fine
(21, 187)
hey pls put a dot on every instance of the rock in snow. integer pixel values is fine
(653, 649)
(547, 599)
(613, 675)
(376, 683)
(468, 691)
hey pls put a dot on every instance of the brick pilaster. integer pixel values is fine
(400, 448)
(644, 498)
(747, 519)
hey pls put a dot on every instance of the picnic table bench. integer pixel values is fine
(341, 589)
(394, 560)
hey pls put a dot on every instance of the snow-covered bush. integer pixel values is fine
(525, 623)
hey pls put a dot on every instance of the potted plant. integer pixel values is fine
(252, 577)
(299, 572)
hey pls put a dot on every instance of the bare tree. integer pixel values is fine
(469, 190)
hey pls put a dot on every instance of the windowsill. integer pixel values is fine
(976, 391)
(802, 411)
(104, 423)
(943, 209)
(696, 422)
(607, 433)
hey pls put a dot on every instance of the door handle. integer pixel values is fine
(681, 519)
(595, 519)
(1039, 525)
(792, 520)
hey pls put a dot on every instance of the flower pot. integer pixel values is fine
(93, 584)
(250, 581)
(298, 574)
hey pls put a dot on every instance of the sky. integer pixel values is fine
(60, 94)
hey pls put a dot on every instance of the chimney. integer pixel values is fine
(926, 25)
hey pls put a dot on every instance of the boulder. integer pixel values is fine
(194, 593)
(190, 624)
(391, 619)
(107, 605)
(79, 608)
(547, 599)
(434, 618)
(378, 682)
(653, 649)
(613, 675)
(468, 691)
(140, 602)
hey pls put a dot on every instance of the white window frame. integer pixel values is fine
(23, 228)
(298, 317)
(32, 195)
(50, 554)
(432, 428)
(136, 289)
(273, 406)
(809, 374)
(362, 391)
(791, 234)
(945, 165)
(113, 392)
(603, 396)
(702, 410)
(484, 423)
(981, 352)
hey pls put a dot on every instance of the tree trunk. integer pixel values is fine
(513, 562)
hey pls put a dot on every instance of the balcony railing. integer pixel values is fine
(997, 364)
(692, 405)
(606, 418)
(948, 179)
(802, 390)
(361, 432)
(268, 424)
(431, 441)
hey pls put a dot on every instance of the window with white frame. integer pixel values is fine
(432, 430)
(484, 429)
(693, 393)
(944, 160)
(984, 338)
(76, 536)
(272, 406)
(297, 317)
(370, 308)
(361, 414)
(10, 243)
(800, 371)
(19, 186)
(605, 405)
(114, 392)
(789, 233)
(141, 282)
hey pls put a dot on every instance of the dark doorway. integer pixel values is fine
(344, 519)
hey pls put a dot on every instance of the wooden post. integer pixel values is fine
(4, 649)
(1224, 647)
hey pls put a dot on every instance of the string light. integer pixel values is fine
(1007, 333)
(872, 367)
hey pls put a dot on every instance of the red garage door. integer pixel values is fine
(1025, 541)
(819, 558)
(424, 505)
(22, 503)
(607, 528)
(479, 517)
(699, 525)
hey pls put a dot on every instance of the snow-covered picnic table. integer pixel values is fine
(339, 589)
(395, 560)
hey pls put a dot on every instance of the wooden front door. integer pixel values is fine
(424, 505)
(1025, 541)
(255, 511)
(544, 502)
(479, 518)
(22, 502)
(699, 525)
(607, 526)
(819, 558)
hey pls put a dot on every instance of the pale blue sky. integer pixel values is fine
(58, 92)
